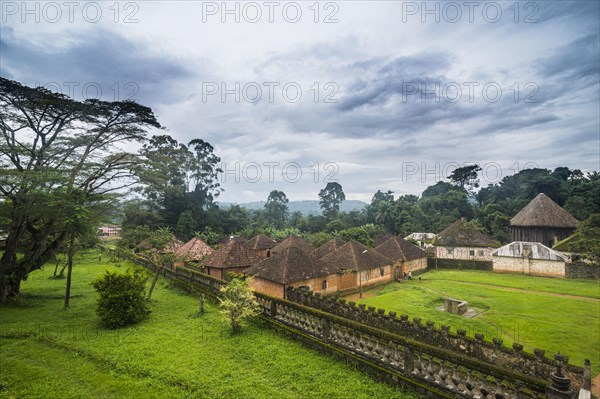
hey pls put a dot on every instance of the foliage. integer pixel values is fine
(209, 236)
(587, 245)
(59, 159)
(330, 198)
(318, 239)
(276, 209)
(466, 177)
(237, 303)
(122, 299)
(179, 184)
(359, 234)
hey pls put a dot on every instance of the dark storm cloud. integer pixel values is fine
(96, 56)
(577, 62)
(394, 78)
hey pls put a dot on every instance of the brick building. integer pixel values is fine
(293, 267)
(406, 256)
(360, 265)
(261, 245)
(232, 257)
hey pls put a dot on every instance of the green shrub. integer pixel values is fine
(237, 303)
(122, 298)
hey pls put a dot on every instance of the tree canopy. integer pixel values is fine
(58, 154)
(330, 198)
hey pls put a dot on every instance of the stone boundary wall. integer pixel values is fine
(577, 270)
(458, 264)
(493, 351)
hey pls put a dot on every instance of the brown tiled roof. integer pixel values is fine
(398, 249)
(173, 246)
(464, 234)
(543, 212)
(231, 255)
(293, 241)
(291, 265)
(356, 256)
(328, 247)
(381, 239)
(259, 242)
(193, 250)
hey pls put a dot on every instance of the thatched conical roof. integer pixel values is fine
(356, 256)
(293, 241)
(260, 242)
(328, 247)
(290, 266)
(233, 254)
(398, 249)
(464, 234)
(194, 250)
(543, 212)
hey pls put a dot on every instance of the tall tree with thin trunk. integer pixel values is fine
(52, 149)
(330, 199)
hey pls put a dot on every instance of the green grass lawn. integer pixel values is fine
(537, 318)
(49, 352)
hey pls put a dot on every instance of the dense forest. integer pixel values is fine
(179, 189)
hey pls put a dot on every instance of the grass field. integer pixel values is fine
(545, 313)
(49, 352)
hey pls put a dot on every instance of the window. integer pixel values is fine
(449, 250)
(480, 253)
(471, 252)
(381, 272)
(324, 285)
(365, 276)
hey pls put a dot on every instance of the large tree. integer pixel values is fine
(56, 152)
(179, 183)
(276, 209)
(330, 199)
(466, 177)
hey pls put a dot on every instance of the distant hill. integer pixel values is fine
(306, 207)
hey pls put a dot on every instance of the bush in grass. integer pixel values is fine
(122, 298)
(237, 303)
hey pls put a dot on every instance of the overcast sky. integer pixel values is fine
(375, 95)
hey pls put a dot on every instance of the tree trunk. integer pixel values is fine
(154, 280)
(70, 269)
(12, 270)
(10, 287)
(201, 299)
(62, 270)
(55, 268)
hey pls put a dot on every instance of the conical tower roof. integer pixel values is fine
(543, 212)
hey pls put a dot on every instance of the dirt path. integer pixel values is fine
(524, 290)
